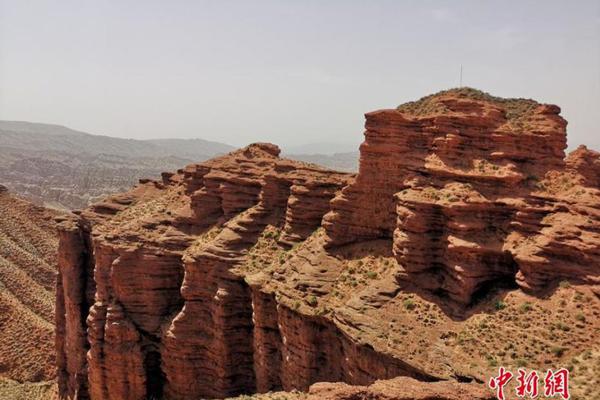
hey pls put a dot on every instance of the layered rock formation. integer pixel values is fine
(122, 274)
(467, 199)
(251, 273)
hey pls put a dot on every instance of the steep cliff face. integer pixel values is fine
(472, 195)
(251, 273)
(149, 275)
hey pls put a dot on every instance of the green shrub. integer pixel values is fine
(312, 300)
(564, 284)
(499, 305)
(525, 307)
(409, 304)
(563, 327)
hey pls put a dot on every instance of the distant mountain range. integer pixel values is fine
(67, 169)
(63, 168)
(56, 138)
(324, 148)
(341, 156)
(347, 162)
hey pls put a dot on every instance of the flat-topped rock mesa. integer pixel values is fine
(461, 181)
(458, 136)
(238, 275)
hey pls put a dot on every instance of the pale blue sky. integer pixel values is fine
(289, 72)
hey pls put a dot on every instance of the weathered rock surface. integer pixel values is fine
(251, 273)
(124, 305)
(28, 245)
(470, 195)
(399, 389)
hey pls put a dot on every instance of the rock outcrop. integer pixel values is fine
(251, 273)
(124, 306)
(469, 194)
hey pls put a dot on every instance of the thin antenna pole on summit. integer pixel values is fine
(461, 70)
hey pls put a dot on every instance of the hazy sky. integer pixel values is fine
(288, 72)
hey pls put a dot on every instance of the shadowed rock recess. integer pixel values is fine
(225, 278)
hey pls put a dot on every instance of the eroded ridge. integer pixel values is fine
(148, 303)
(251, 273)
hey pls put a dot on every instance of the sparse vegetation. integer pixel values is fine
(564, 284)
(499, 305)
(409, 304)
(516, 110)
(557, 351)
(525, 307)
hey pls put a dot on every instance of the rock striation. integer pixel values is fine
(470, 195)
(140, 270)
(28, 247)
(235, 275)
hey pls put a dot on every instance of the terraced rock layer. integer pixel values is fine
(129, 292)
(476, 191)
(241, 274)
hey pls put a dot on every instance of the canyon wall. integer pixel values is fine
(476, 191)
(233, 276)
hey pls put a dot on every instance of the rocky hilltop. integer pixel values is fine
(252, 273)
(476, 191)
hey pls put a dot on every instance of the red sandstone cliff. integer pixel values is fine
(222, 278)
(465, 200)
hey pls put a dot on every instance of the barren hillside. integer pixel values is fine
(28, 246)
(63, 168)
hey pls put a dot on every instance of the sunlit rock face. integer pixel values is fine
(225, 277)
(473, 190)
